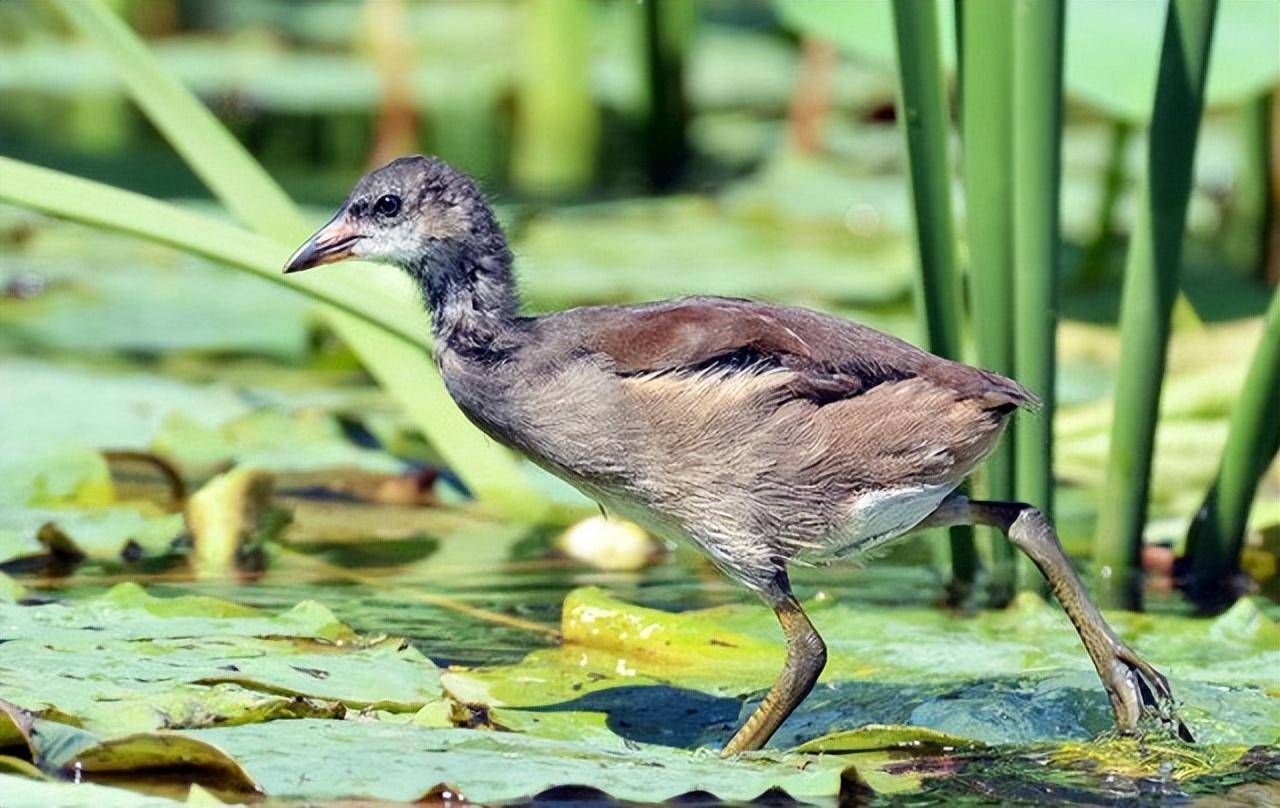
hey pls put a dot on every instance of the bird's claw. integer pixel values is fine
(1137, 689)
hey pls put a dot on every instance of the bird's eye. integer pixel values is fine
(388, 205)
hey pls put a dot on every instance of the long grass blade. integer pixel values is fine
(1216, 536)
(259, 203)
(1150, 288)
(94, 203)
(389, 327)
(222, 164)
(1037, 138)
(987, 124)
(922, 115)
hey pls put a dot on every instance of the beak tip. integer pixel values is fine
(302, 258)
(327, 246)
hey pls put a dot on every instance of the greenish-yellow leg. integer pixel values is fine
(806, 657)
(1130, 681)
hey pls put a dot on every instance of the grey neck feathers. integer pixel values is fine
(469, 287)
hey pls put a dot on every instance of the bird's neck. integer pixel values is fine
(471, 292)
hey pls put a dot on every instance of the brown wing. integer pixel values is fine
(831, 358)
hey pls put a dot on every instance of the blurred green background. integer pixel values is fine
(753, 158)
(168, 418)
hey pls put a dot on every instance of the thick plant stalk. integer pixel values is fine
(1037, 139)
(987, 123)
(1093, 267)
(811, 98)
(396, 129)
(1216, 536)
(1251, 210)
(557, 127)
(668, 29)
(957, 25)
(922, 114)
(1150, 288)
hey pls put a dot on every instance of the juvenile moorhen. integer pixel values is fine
(761, 434)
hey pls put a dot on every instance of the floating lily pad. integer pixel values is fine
(10, 590)
(102, 293)
(20, 792)
(885, 736)
(301, 440)
(127, 662)
(47, 406)
(61, 503)
(67, 750)
(1017, 676)
(627, 705)
(57, 498)
(334, 759)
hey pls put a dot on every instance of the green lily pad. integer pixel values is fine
(44, 406)
(1017, 676)
(10, 590)
(62, 503)
(195, 425)
(20, 792)
(57, 498)
(114, 534)
(128, 612)
(67, 477)
(334, 759)
(302, 440)
(67, 750)
(128, 662)
(629, 704)
(106, 293)
(325, 759)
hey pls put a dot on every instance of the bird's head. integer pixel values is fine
(414, 212)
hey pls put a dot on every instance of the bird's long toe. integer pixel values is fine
(1136, 689)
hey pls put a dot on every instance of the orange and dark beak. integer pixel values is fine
(330, 243)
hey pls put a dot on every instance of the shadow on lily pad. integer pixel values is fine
(1065, 706)
(658, 714)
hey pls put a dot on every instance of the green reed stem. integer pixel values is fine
(404, 370)
(922, 113)
(987, 123)
(1150, 288)
(668, 29)
(1093, 267)
(1251, 207)
(1216, 536)
(557, 128)
(1037, 140)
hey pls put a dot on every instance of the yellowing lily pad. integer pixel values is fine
(880, 736)
(1016, 676)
